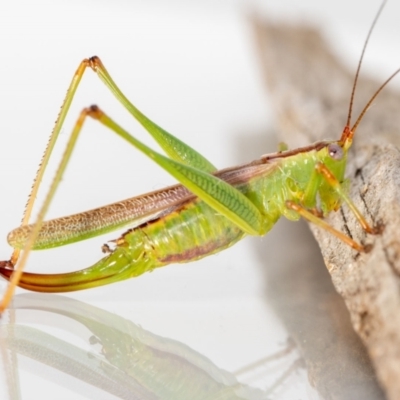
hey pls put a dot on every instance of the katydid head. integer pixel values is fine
(335, 157)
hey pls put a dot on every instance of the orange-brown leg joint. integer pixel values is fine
(309, 216)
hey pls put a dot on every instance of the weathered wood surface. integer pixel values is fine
(310, 92)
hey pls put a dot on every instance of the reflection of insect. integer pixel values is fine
(125, 359)
(209, 212)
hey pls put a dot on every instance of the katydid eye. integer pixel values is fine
(335, 151)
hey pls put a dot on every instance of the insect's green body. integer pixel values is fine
(196, 230)
(193, 229)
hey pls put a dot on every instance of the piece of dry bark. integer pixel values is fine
(300, 290)
(310, 91)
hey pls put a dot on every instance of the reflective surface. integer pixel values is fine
(106, 354)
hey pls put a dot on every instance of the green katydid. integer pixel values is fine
(207, 212)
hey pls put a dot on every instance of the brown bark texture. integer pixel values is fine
(310, 91)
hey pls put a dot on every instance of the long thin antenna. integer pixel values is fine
(372, 100)
(359, 65)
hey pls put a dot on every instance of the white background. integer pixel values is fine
(192, 67)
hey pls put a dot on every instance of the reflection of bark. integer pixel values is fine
(310, 92)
